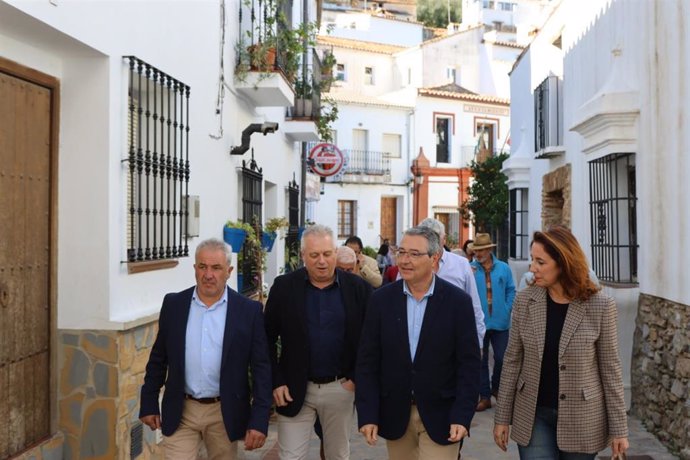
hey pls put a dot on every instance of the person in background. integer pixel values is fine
(496, 291)
(382, 259)
(346, 260)
(368, 269)
(316, 314)
(561, 387)
(418, 363)
(467, 249)
(208, 396)
(527, 279)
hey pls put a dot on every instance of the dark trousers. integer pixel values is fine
(499, 343)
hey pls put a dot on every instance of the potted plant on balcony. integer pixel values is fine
(270, 232)
(327, 65)
(235, 234)
(304, 93)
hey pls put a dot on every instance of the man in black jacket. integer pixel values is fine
(316, 314)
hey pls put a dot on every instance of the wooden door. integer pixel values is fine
(389, 219)
(25, 223)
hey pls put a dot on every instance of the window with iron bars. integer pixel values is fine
(252, 202)
(519, 236)
(548, 113)
(292, 243)
(613, 217)
(157, 164)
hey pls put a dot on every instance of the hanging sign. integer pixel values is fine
(327, 160)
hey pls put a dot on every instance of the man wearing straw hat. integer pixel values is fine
(496, 292)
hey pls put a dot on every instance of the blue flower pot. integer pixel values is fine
(300, 230)
(267, 240)
(234, 237)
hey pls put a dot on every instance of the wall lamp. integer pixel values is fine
(263, 128)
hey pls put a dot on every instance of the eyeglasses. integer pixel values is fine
(412, 254)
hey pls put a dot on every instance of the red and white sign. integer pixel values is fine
(328, 160)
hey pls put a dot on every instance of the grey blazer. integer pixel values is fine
(591, 407)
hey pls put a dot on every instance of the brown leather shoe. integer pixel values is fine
(483, 405)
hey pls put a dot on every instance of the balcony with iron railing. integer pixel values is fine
(365, 166)
(302, 117)
(268, 53)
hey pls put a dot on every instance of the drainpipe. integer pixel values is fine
(305, 44)
(408, 162)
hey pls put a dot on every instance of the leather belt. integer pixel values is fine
(215, 399)
(327, 379)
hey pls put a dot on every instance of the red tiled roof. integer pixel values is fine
(360, 45)
(463, 96)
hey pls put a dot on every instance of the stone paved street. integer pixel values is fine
(479, 447)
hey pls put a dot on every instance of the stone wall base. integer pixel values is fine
(661, 371)
(100, 376)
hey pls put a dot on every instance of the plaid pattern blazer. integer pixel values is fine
(591, 408)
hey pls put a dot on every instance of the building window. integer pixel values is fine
(368, 75)
(392, 144)
(450, 74)
(519, 234)
(613, 217)
(442, 140)
(252, 203)
(158, 164)
(548, 113)
(347, 218)
(409, 76)
(291, 240)
(340, 74)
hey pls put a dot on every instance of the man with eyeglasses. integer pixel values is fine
(418, 363)
(315, 316)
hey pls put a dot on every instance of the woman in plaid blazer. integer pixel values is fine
(561, 387)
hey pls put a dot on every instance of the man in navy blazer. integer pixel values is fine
(418, 363)
(209, 338)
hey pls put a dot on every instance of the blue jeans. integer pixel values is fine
(499, 343)
(542, 445)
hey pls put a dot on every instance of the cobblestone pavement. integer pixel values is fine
(480, 446)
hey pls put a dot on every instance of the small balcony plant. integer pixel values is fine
(235, 234)
(271, 229)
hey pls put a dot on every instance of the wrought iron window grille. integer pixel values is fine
(158, 164)
(519, 235)
(252, 203)
(548, 114)
(613, 217)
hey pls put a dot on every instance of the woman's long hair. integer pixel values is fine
(562, 246)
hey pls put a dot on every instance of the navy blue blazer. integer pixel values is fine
(244, 347)
(286, 318)
(444, 375)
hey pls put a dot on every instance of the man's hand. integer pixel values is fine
(457, 432)
(348, 384)
(370, 431)
(281, 396)
(501, 433)
(254, 440)
(151, 421)
(619, 446)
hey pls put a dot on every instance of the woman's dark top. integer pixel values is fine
(548, 381)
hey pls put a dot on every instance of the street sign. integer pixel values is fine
(327, 160)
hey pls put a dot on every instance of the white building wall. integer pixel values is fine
(355, 62)
(363, 26)
(60, 40)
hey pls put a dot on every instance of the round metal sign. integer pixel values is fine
(328, 160)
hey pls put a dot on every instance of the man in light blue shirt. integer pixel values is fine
(457, 270)
(209, 337)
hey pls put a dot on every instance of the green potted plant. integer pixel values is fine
(327, 64)
(271, 229)
(235, 234)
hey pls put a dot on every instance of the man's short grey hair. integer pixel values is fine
(317, 230)
(345, 256)
(216, 245)
(434, 224)
(432, 238)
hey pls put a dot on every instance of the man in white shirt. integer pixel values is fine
(457, 270)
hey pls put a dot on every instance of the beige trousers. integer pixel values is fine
(200, 422)
(417, 445)
(335, 408)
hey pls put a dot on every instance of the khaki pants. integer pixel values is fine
(416, 443)
(200, 422)
(334, 405)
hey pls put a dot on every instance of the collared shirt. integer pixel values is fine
(415, 315)
(326, 328)
(457, 270)
(204, 346)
